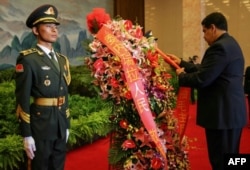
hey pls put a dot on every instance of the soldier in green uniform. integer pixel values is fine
(42, 81)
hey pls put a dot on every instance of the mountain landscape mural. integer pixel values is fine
(15, 36)
(9, 53)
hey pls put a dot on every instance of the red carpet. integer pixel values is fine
(89, 157)
(95, 156)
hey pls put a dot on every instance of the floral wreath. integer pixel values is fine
(132, 147)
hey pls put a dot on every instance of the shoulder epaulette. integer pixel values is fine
(61, 55)
(30, 51)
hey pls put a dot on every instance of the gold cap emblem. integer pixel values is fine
(50, 11)
(43, 14)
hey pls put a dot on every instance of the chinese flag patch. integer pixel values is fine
(19, 68)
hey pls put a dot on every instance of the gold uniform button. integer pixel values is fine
(61, 88)
(59, 107)
(38, 113)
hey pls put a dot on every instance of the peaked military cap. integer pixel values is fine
(44, 14)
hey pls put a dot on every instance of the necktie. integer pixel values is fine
(53, 59)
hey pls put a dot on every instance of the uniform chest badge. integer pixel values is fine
(47, 82)
(46, 68)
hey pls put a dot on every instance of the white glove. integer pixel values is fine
(29, 146)
(67, 135)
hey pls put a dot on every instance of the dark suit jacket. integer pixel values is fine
(219, 81)
(247, 81)
(37, 77)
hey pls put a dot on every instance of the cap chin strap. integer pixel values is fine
(46, 19)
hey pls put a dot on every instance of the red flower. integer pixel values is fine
(161, 86)
(114, 82)
(124, 124)
(140, 135)
(143, 137)
(138, 33)
(98, 64)
(128, 25)
(153, 58)
(167, 75)
(156, 163)
(128, 144)
(128, 95)
(96, 19)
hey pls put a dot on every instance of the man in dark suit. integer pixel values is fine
(221, 106)
(247, 88)
(44, 78)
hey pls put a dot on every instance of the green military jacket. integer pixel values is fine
(37, 77)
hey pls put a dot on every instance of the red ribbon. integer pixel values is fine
(183, 99)
(167, 59)
(134, 83)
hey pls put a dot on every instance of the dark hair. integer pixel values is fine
(216, 18)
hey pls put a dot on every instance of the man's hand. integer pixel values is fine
(176, 59)
(67, 135)
(29, 146)
(179, 71)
